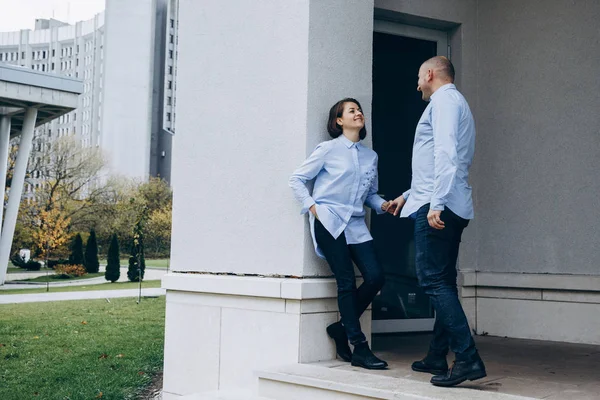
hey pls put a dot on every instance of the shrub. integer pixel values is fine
(53, 263)
(91, 254)
(76, 257)
(69, 271)
(17, 261)
(32, 265)
(113, 262)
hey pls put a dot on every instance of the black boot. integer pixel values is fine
(461, 371)
(433, 364)
(337, 332)
(364, 357)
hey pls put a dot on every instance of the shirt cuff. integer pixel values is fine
(406, 194)
(377, 203)
(436, 205)
(306, 205)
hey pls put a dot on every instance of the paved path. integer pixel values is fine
(150, 274)
(96, 294)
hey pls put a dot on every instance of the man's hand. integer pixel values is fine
(433, 217)
(313, 210)
(385, 206)
(395, 205)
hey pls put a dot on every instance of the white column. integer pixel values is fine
(4, 141)
(16, 189)
(251, 294)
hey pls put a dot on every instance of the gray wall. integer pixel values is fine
(538, 147)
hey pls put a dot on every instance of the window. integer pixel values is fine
(44, 54)
(23, 55)
(77, 49)
(77, 62)
(52, 66)
(33, 54)
(44, 67)
(170, 70)
(172, 23)
(169, 101)
(170, 85)
(171, 38)
(171, 54)
(169, 117)
(53, 52)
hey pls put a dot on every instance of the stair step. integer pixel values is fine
(225, 395)
(302, 381)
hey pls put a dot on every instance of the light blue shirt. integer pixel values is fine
(442, 154)
(345, 179)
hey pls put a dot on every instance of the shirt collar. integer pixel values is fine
(349, 143)
(443, 88)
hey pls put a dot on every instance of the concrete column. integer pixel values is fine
(4, 141)
(16, 189)
(251, 294)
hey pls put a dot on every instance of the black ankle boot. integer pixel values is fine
(364, 357)
(433, 364)
(337, 332)
(461, 371)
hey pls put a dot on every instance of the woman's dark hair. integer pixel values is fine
(336, 112)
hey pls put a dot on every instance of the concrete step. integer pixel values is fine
(225, 395)
(302, 382)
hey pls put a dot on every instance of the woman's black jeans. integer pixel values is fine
(352, 302)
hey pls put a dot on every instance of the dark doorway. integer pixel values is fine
(397, 107)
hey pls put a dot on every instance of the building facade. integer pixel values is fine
(253, 103)
(122, 58)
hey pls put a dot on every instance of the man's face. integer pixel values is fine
(424, 83)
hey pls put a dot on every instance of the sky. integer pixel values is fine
(21, 14)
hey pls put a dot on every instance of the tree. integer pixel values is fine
(113, 265)
(51, 231)
(91, 254)
(137, 262)
(158, 230)
(76, 257)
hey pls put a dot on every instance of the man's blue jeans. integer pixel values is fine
(436, 255)
(352, 302)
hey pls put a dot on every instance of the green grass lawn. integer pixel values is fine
(80, 349)
(54, 278)
(155, 263)
(17, 270)
(104, 286)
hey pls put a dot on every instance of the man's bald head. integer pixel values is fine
(442, 66)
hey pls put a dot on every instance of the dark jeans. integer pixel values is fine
(437, 252)
(352, 302)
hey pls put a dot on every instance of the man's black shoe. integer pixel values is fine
(364, 357)
(460, 372)
(337, 332)
(432, 365)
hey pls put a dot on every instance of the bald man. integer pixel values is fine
(439, 200)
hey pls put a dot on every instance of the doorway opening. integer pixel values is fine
(398, 52)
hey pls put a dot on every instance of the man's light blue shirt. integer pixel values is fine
(442, 154)
(345, 179)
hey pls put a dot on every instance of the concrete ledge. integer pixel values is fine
(280, 288)
(574, 322)
(590, 283)
(300, 382)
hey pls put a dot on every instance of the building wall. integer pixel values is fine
(127, 106)
(528, 72)
(539, 136)
(82, 51)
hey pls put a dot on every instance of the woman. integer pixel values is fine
(345, 179)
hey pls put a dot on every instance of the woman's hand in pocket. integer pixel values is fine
(313, 210)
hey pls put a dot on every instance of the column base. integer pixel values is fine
(220, 329)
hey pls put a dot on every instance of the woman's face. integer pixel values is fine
(352, 117)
